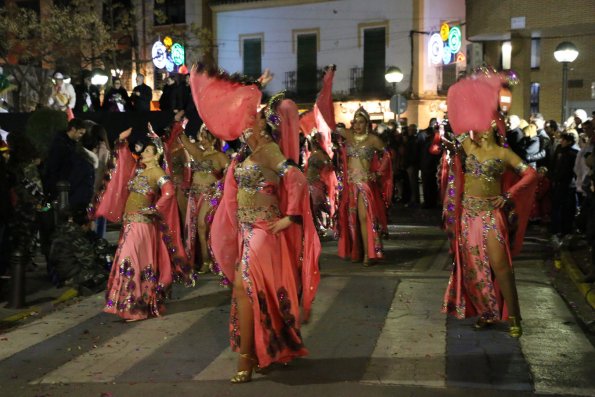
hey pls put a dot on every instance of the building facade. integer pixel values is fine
(297, 39)
(523, 34)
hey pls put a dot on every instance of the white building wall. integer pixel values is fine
(338, 24)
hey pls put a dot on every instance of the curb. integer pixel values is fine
(587, 290)
(41, 309)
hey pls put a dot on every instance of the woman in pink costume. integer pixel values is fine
(367, 190)
(486, 205)
(322, 182)
(263, 238)
(207, 164)
(178, 161)
(150, 254)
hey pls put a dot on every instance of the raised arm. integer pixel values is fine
(190, 147)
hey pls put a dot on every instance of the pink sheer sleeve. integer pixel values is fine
(290, 126)
(521, 193)
(295, 200)
(225, 247)
(171, 234)
(324, 102)
(111, 199)
(383, 166)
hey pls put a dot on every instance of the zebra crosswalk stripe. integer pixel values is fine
(121, 352)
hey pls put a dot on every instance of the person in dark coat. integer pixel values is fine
(116, 98)
(59, 163)
(142, 95)
(429, 165)
(564, 186)
(514, 135)
(187, 108)
(167, 101)
(87, 96)
(532, 146)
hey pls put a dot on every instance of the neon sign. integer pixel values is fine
(168, 55)
(444, 47)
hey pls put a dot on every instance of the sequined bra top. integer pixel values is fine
(205, 166)
(257, 188)
(361, 152)
(140, 184)
(251, 179)
(489, 170)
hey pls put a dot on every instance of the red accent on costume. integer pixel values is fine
(111, 201)
(473, 103)
(377, 196)
(472, 288)
(273, 262)
(324, 102)
(307, 122)
(150, 252)
(290, 123)
(172, 143)
(227, 107)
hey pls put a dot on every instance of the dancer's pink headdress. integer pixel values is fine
(283, 115)
(473, 102)
(227, 104)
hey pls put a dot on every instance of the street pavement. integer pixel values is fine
(375, 331)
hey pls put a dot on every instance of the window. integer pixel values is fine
(449, 77)
(374, 61)
(506, 55)
(169, 12)
(252, 56)
(534, 97)
(535, 53)
(306, 64)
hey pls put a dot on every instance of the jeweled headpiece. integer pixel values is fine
(363, 113)
(271, 112)
(156, 140)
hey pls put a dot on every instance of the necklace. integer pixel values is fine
(360, 138)
(150, 167)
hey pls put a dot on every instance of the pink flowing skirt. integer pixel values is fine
(270, 283)
(350, 235)
(477, 293)
(140, 274)
(196, 201)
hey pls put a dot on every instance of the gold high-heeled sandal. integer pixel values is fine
(515, 330)
(246, 375)
(205, 268)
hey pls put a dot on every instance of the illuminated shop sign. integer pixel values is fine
(168, 55)
(445, 47)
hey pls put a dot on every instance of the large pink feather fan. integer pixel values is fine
(473, 102)
(226, 104)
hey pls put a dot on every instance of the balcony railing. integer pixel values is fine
(299, 90)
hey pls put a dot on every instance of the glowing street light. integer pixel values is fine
(394, 75)
(565, 53)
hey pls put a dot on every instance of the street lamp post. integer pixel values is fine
(394, 75)
(565, 53)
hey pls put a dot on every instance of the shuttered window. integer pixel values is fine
(306, 65)
(374, 61)
(252, 57)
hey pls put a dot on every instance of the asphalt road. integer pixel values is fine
(375, 331)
